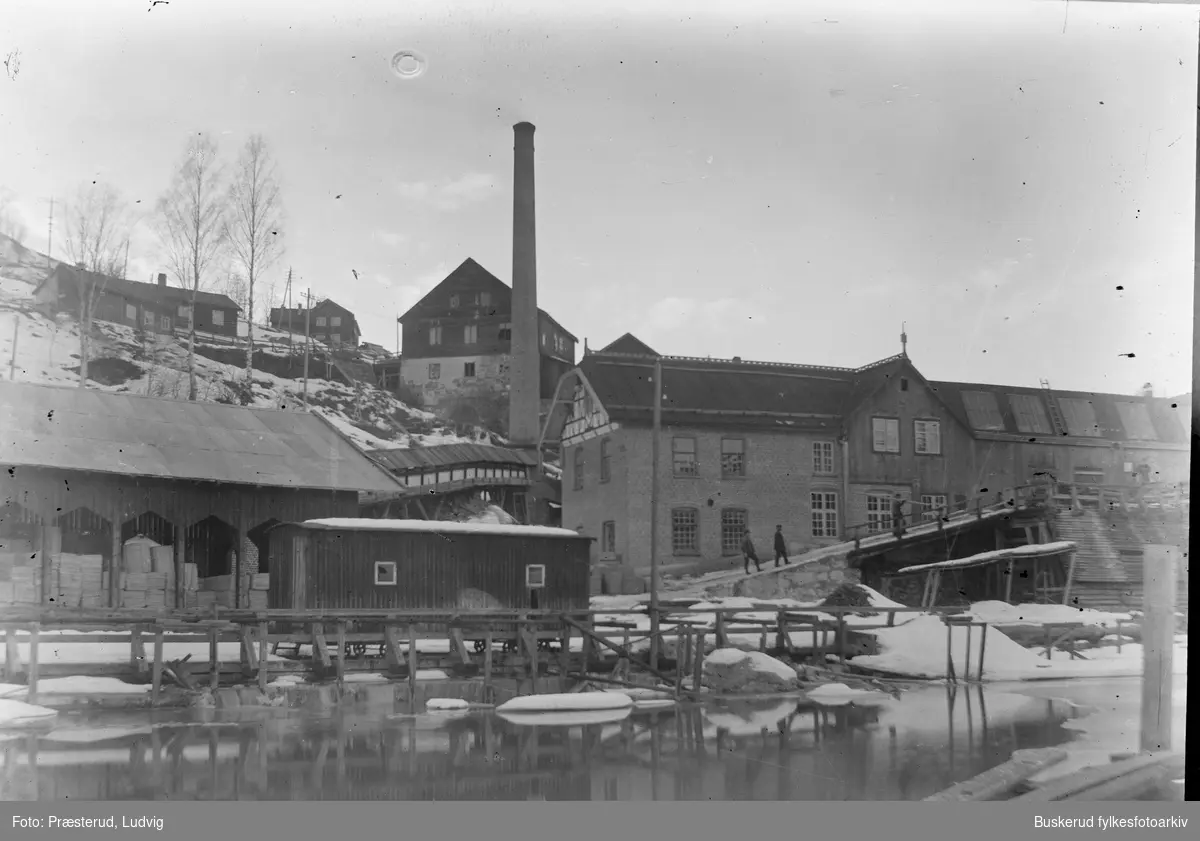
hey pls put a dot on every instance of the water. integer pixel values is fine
(904, 749)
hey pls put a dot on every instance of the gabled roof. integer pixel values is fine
(471, 275)
(1023, 411)
(451, 454)
(104, 432)
(721, 390)
(631, 344)
(152, 293)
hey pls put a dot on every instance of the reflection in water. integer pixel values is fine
(775, 750)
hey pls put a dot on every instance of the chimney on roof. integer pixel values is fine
(525, 392)
(1148, 390)
(737, 359)
(162, 279)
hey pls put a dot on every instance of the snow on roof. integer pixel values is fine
(1032, 550)
(437, 527)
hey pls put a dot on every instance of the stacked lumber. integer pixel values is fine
(20, 575)
(77, 581)
(259, 585)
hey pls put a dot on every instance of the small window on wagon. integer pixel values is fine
(385, 573)
(535, 576)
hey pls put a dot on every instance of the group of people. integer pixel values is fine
(781, 552)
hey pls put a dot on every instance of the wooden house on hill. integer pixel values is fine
(152, 307)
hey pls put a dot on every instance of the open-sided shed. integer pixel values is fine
(366, 564)
(84, 470)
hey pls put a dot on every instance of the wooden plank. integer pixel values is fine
(263, 664)
(459, 647)
(412, 664)
(1069, 786)
(614, 647)
(487, 666)
(1160, 579)
(32, 669)
(157, 673)
(391, 645)
(698, 661)
(249, 655)
(996, 783)
(564, 658)
(137, 650)
(12, 655)
(341, 652)
(320, 646)
(214, 658)
(1136, 783)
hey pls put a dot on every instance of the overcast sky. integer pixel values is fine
(785, 182)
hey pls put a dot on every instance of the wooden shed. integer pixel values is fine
(366, 564)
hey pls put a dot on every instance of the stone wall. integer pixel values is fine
(808, 582)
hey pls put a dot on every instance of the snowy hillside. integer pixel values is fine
(124, 360)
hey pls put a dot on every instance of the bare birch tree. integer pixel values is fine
(254, 224)
(98, 224)
(192, 227)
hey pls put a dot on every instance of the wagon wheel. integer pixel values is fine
(480, 645)
(358, 649)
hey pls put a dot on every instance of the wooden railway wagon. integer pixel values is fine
(405, 565)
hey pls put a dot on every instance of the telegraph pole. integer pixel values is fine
(307, 320)
(654, 500)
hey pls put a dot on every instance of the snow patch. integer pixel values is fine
(18, 714)
(83, 685)
(446, 704)
(567, 702)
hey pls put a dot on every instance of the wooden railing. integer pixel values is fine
(1129, 497)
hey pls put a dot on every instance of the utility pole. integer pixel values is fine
(287, 299)
(307, 319)
(654, 499)
(50, 234)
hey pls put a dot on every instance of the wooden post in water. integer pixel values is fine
(214, 657)
(12, 655)
(412, 666)
(698, 660)
(157, 673)
(1158, 640)
(32, 680)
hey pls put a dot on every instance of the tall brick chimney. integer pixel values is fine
(525, 395)
(162, 279)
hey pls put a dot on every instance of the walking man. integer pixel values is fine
(898, 516)
(748, 553)
(780, 547)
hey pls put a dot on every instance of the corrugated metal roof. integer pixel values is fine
(437, 527)
(699, 386)
(91, 430)
(449, 454)
(1028, 412)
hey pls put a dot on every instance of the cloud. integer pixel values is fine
(700, 317)
(389, 238)
(453, 195)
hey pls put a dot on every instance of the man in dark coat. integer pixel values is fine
(898, 516)
(780, 547)
(748, 553)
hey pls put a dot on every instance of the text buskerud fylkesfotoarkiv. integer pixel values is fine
(1111, 822)
(113, 822)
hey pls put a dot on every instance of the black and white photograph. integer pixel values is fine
(621, 402)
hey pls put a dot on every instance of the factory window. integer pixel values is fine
(605, 461)
(131, 312)
(435, 335)
(184, 311)
(468, 369)
(927, 436)
(435, 370)
(733, 457)
(218, 318)
(733, 527)
(535, 576)
(933, 506)
(578, 468)
(823, 458)
(879, 512)
(320, 321)
(336, 338)
(685, 531)
(165, 322)
(505, 332)
(148, 318)
(470, 334)
(824, 514)
(885, 435)
(335, 321)
(385, 573)
(484, 299)
(683, 456)
(608, 537)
